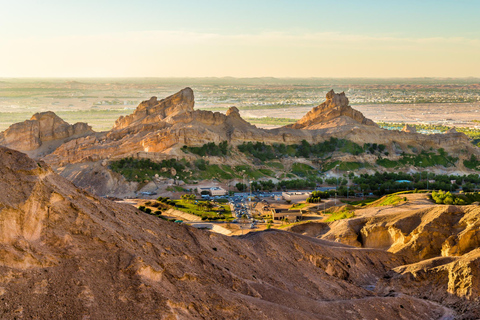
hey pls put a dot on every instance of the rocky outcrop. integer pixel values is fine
(335, 106)
(42, 127)
(441, 244)
(153, 111)
(452, 281)
(66, 253)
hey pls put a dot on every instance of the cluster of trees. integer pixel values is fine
(424, 159)
(209, 149)
(385, 183)
(442, 197)
(373, 147)
(317, 196)
(143, 169)
(149, 211)
(473, 163)
(336, 181)
(281, 185)
(166, 200)
(266, 152)
(188, 197)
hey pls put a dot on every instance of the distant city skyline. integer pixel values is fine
(188, 38)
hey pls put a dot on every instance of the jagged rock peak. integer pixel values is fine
(409, 128)
(233, 112)
(337, 99)
(153, 110)
(336, 105)
(42, 127)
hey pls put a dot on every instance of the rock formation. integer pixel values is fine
(335, 106)
(68, 254)
(41, 128)
(441, 244)
(161, 128)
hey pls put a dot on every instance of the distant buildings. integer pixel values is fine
(212, 191)
(296, 196)
(280, 214)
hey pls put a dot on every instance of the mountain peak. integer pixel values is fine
(335, 106)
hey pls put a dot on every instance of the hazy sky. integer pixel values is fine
(248, 38)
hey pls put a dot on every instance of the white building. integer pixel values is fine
(213, 191)
(296, 195)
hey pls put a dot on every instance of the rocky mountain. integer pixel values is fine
(43, 128)
(68, 254)
(158, 129)
(335, 106)
(162, 127)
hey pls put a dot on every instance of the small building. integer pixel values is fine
(212, 191)
(279, 214)
(296, 196)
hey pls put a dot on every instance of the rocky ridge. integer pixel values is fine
(68, 254)
(158, 129)
(164, 126)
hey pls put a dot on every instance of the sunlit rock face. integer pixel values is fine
(336, 105)
(42, 127)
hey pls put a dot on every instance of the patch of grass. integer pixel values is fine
(340, 215)
(360, 202)
(215, 171)
(298, 206)
(267, 172)
(424, 159)
(350, 166)
(250, 172)
(303, 170)
(389, 200)
(202, 211)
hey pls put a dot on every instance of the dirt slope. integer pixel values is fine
(67, 254)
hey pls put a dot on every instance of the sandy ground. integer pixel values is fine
(415, 201)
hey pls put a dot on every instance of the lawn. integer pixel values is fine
(298, 206)
(198, 210)
(340, 215)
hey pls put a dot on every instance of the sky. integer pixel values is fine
(248, 38)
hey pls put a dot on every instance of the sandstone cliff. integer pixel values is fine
(68, 254)
(41, 128)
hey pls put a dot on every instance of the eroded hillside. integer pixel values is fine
(68, 254)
